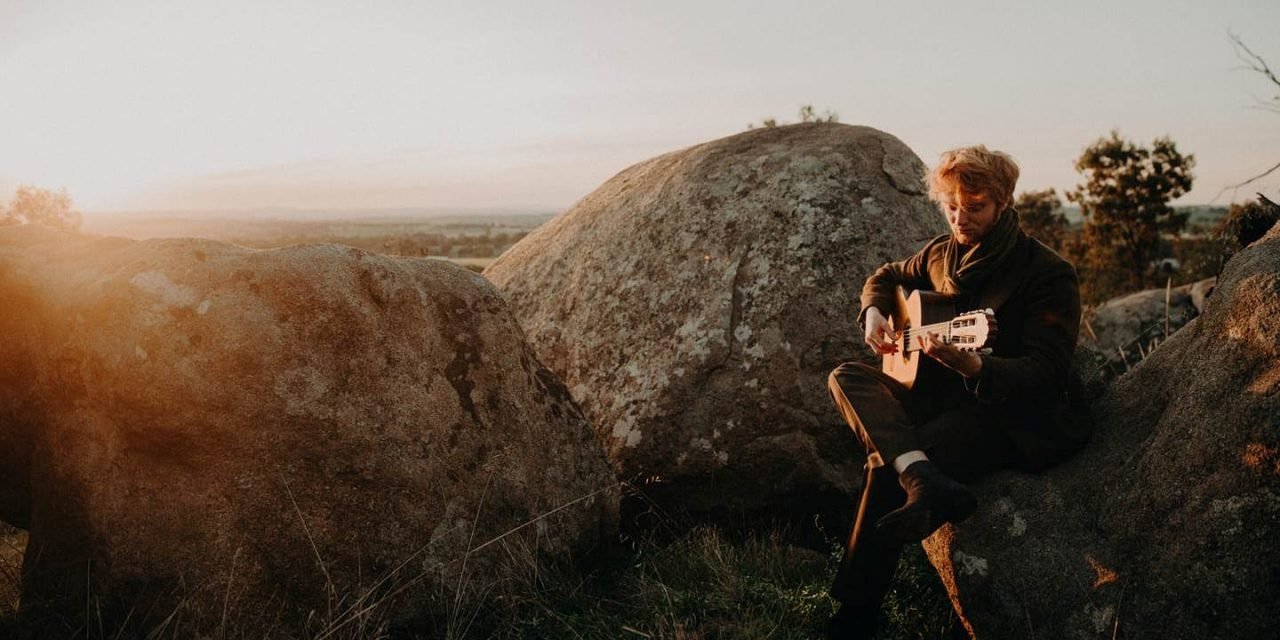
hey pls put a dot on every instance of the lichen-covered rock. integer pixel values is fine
(695, 303)
(1165, 526)
(188, 424)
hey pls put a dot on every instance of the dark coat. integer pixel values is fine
(1025, 380)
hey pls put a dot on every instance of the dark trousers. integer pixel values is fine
(940, 418)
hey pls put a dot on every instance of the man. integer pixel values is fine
(982, 413)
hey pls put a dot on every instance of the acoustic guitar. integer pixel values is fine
(929, 311)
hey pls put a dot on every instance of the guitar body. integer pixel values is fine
(921, 308)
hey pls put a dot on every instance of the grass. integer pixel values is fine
(701, 585)
(705, 584)
(12, 544)
(1149, 336)
(708, 585)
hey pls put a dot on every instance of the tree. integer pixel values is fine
(1041, 217)
(1245, 223)
(41, 206)
(1125, 203)
(807, 114)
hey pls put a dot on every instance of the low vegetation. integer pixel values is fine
(705, 584)
(12, 545)
(708, 584)
(806, 114)
(31, 204)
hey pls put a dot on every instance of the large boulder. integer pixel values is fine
(1166, 525)
(1123, 329)
(307, 434)
(696, 302)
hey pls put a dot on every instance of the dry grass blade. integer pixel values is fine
(123, 626)
(462, 571)
(359, 608)
(226, 598)
(1115, 627)
(541, 517)
(165, 624)
(328, 581)
(362, 606)
(1088, 328)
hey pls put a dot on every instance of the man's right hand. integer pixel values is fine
(880, 336)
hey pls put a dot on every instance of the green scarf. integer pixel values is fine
(968, 271)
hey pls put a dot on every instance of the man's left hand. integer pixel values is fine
(966, 363)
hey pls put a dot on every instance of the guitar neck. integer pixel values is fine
(943, 329)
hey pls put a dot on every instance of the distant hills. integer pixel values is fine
(1201, 214)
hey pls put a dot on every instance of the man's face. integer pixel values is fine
(971, 216)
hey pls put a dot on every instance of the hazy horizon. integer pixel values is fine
(238, 106)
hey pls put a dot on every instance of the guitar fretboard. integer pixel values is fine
(943, 329)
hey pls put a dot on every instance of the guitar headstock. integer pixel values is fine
(973, 331)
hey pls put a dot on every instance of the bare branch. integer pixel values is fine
(1233, 187)
(1263, 105)
(1257, 64)
(1254, 61)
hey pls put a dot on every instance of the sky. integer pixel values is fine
(529, 106)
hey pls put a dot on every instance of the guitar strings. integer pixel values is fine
(913, 332)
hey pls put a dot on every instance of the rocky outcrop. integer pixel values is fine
(1123, 329)
(695, 303)
(308, 436)
(1165, 525)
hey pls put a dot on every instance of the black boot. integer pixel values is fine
(932, 499)
(854, 623)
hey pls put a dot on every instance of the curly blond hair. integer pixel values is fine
(978, 172)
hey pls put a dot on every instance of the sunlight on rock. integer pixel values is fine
(1105, 576)
(329, 404)
(1266, 383)
(1259, 456)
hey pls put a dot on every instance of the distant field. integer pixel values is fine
(143, 226)
(1204, 215)
(475, 264)
(472, 240)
